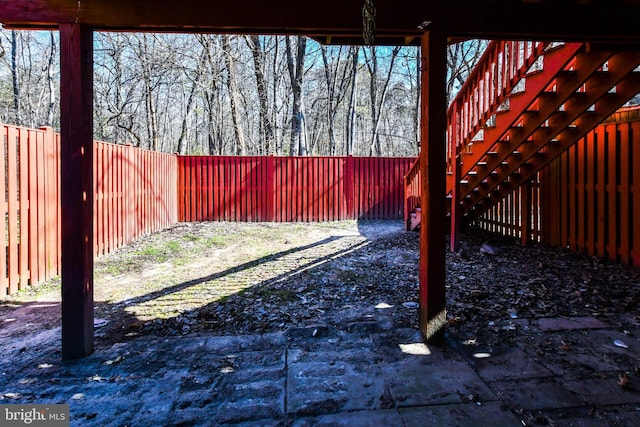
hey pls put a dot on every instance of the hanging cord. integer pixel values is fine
(78, 12)
(368, 22)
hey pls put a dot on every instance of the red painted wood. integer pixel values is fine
(535, 232)
(432, 311)
(587, 198)
(292, 188)
(181, 188)
(634, 136)
(624, 167)
(612, 191)
(97, 200)
(525, 231)
(121, 201)
(602, 211)
(589, 213)
(23, 206)
(4, 280)
(211, 190)
(76, 122)
(573, 220)
(34, 138)
(12, 208)
(456, 212)
(563, 166)
(51, 204)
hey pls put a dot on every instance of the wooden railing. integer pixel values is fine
(412, 191)
(135, 194)
(497, 74)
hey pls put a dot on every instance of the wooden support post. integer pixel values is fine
(525, 213)
(456, 212)
(76, 123)
(432, 168)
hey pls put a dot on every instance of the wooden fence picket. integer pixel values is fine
(288, 189)
(588, 199)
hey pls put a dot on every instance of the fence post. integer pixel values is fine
(24, 208)
(525, 213)
(349, 187)
(271, 189)
(4, 283)
(51, 205)
(11, 156)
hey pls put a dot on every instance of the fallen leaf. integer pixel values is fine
(623, 381)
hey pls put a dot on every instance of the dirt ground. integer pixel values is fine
(232, 278)
(240, 278)
(227, 279)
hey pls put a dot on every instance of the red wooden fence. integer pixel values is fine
(135, 194)
(589, 198)
(287, 189)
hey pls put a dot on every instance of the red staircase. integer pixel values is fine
(522, 106)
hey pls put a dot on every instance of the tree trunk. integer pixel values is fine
(298, 134)
(152, 119)
(377, 103)
(266, 128)
(351, 112)
(182, 146)
(51, 82)
(232, 82)
(14, 79)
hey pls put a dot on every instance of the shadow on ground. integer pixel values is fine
(318, 334)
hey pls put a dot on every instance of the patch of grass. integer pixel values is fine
(216, 241)
(174, 246)
(149, 252)
(209, 242)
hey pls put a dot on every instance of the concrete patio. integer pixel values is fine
(363, 375)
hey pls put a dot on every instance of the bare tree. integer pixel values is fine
(195, 79)
(351, 111)
(295, 66)
(14, 78)
(461, 58)
(232, 83)
(266, 127)
(377, 95)
(215, 94)
(338, 76)
(116, 84)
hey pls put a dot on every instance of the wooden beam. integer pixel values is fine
(432, 168)
(76, 123)
(614, 20)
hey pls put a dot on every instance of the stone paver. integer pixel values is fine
(536, 393)
(460, 415)
(364, 375)
(512, 365)
(565, 323)
(419, 381)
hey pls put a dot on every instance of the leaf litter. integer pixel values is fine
(247, 278)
